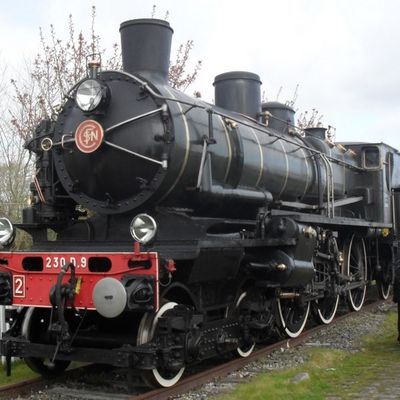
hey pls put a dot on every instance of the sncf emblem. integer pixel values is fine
(89, 136)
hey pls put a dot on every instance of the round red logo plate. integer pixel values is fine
(89, 136)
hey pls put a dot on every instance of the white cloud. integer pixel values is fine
(344, 54)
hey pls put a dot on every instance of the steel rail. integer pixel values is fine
(27, 386)
(196, 380)
(14, 390)
(193, 381)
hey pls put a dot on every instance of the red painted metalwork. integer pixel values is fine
(89, 136)
(32, 288)
(170, 266)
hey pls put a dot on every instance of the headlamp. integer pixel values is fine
(7, 232)
(143, 228)
(90, 94)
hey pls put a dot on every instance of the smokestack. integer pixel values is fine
(317, 132)
(282, 118)
(239, 91)
(146, 48)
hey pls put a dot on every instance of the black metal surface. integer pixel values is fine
(281, 118)
(146, 47)
(23, 348)
(111, 180)
(239, 91)
(243, 211)
(317, 132)
(6, 294)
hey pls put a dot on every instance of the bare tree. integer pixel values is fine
(13, 169)
(40, 90)
(306, 119)
(181, 74)
(309, 119)
(62, 63)
(179, 77)
(14, 174)
(55, 69)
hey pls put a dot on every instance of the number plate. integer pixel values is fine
(19, 285)
(56, 262)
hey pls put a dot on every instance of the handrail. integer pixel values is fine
(261, 127)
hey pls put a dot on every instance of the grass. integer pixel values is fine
(332, 372)
(19, 372)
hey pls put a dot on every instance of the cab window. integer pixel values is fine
(371, 157)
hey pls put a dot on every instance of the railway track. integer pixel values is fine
(198, 379)
(57, 387)
(29, 386)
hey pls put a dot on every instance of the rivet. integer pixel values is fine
(281, 267)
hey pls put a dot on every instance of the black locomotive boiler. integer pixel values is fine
(167, 230)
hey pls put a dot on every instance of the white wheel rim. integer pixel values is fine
(288, 332)
(350, 296)
(324, 320)
(146, 331)
(243, 353)
(167, 382)
(26, 324)
(383, 293)
(46, 363)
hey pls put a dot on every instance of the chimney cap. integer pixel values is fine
(236, 75)
(276, 105)
(146, 21)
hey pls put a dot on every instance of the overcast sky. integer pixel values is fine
(345, 55)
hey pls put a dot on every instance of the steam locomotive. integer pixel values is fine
(167, 230)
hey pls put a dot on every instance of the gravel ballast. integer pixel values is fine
(346, 335)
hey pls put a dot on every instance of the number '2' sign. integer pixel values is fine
(19, 285)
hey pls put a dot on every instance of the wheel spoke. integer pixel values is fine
(157, 376)
(384, 279)
(243, 349)
(33, 328)
(292, 316)
(383, 289)
(355, 266)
